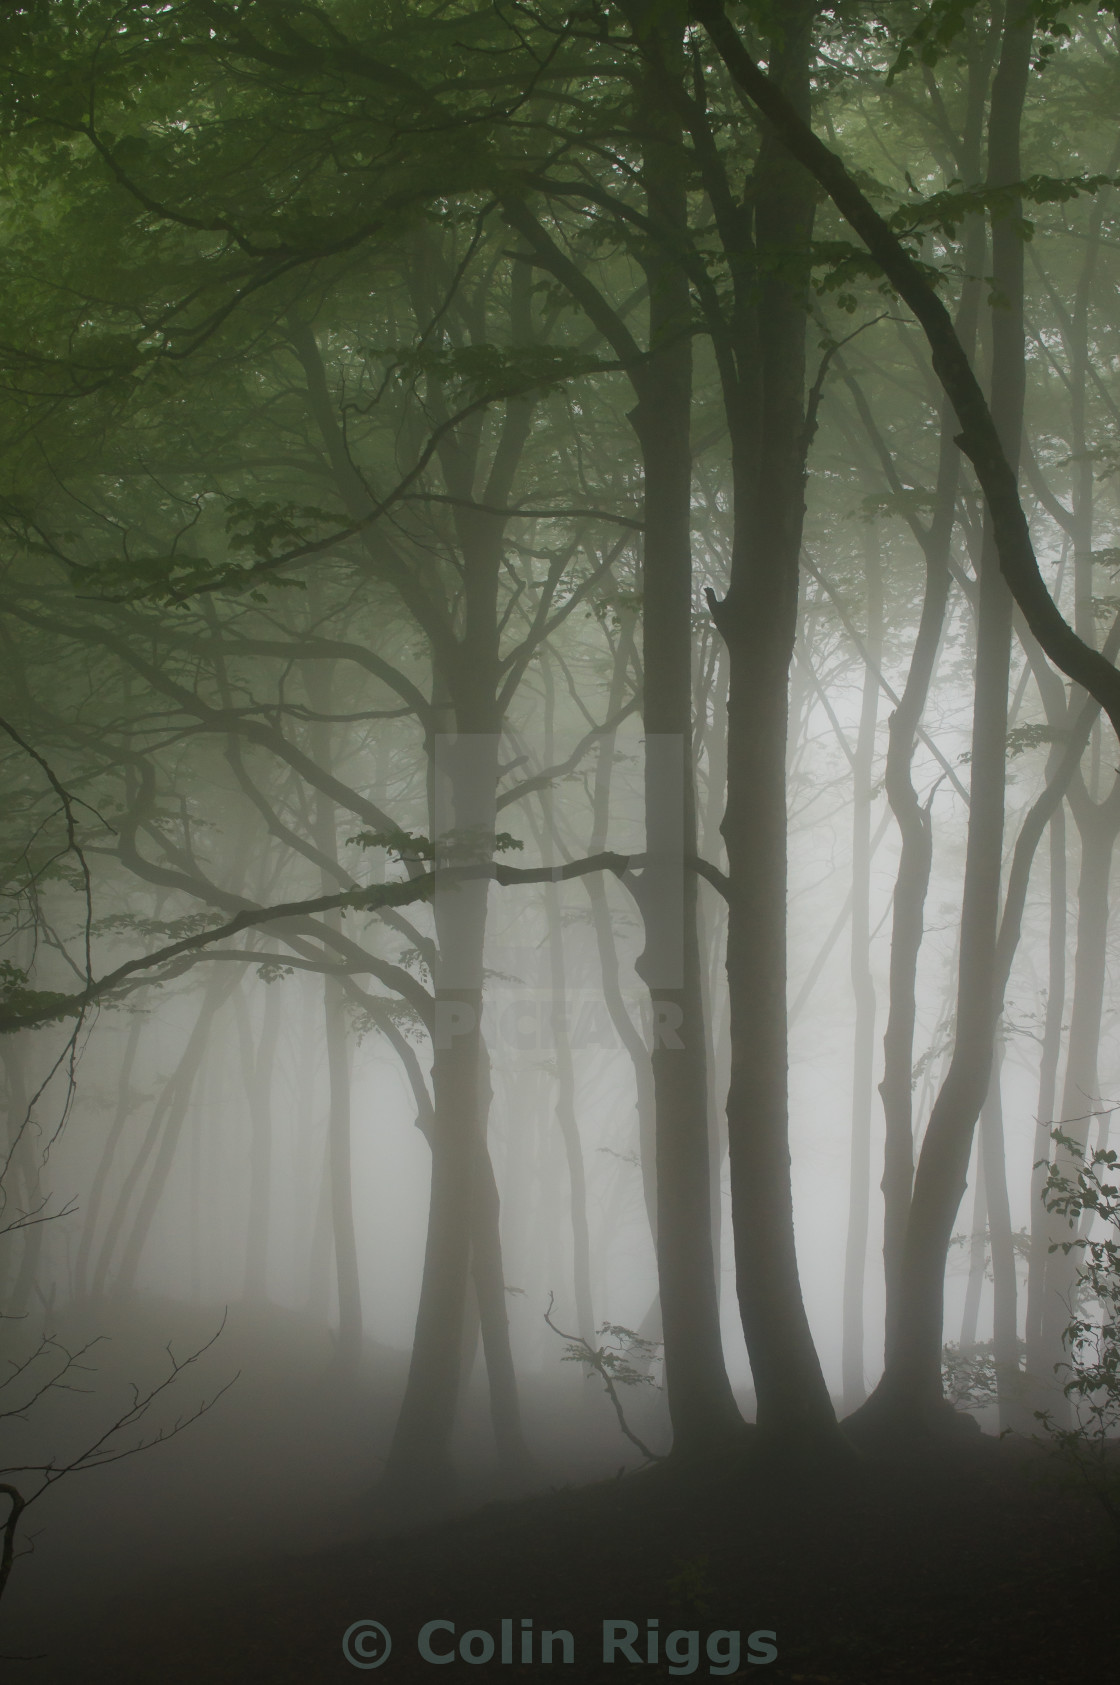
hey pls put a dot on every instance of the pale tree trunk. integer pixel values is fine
(163, 1135)
(627, 1031)
(1045, 1115)
(324, 829)
(1098, 825)
(257, 1066)
(348, 1351)
(863, 989)
(1081, 1101)
(565, 1113)
(126, 1105)
(21, 1191)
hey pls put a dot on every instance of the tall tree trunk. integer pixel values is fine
(1005, 1293)
(258, 1069)
(324, 829)
(166, 1129)
(758, 621)
(596, 888)
(420, 1453)
(1045, 1117)
(126, 1105)
(863, 989)
(701, 1404)
(340, 1181)
(488, 1278)
(977, 1261)
(1098, 824)
(561, 1041)
(20, 1193)
(911, 1387)
(913, 817)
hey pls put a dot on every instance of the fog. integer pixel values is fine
(559, 757)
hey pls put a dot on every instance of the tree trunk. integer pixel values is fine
(1005, 1294)
(165, 1128)
(758, 621)
(863, 989)
(977, 1261)
(1045, 1118)
(701, 1404)
(324, 830)
(126, 1105)
(911, 1387)
(1081, 1100)
(258, 1069)
(420, 1453)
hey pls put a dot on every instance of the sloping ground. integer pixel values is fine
(974, 1567)
(279, 1463)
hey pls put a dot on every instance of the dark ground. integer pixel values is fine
(970, 1566)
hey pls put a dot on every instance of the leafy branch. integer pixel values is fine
(612, 1363)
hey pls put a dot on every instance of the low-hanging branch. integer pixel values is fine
(978, 438)
(25, 1009)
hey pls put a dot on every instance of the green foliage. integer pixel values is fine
(402, 845)
(624, 1358)
(944, 212)
(17, 1000)
(933, 35)
(485, 371)
(259, 529)
(1086, 1191)
(1023, 737)
(940, 30)
(968, 1377)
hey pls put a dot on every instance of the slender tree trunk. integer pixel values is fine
(596, 889)
(561, 1044)
(911, 1386)
(701, 1404)
(1081, 1100)
(758, 621)
(863, 989)
(1047, 1096)
(420, 1453)
(977, 1261)
(126, 1104)
(1005, 1293)
(321, 1244)
(20, 1190)
(488, 1278)
(258, 1068)
(339, 1159)
(167, 1128)
(913, 817)
(324, 828)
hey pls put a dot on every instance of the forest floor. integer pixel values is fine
(234, 1553)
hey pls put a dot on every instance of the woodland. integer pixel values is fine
(558, 749)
